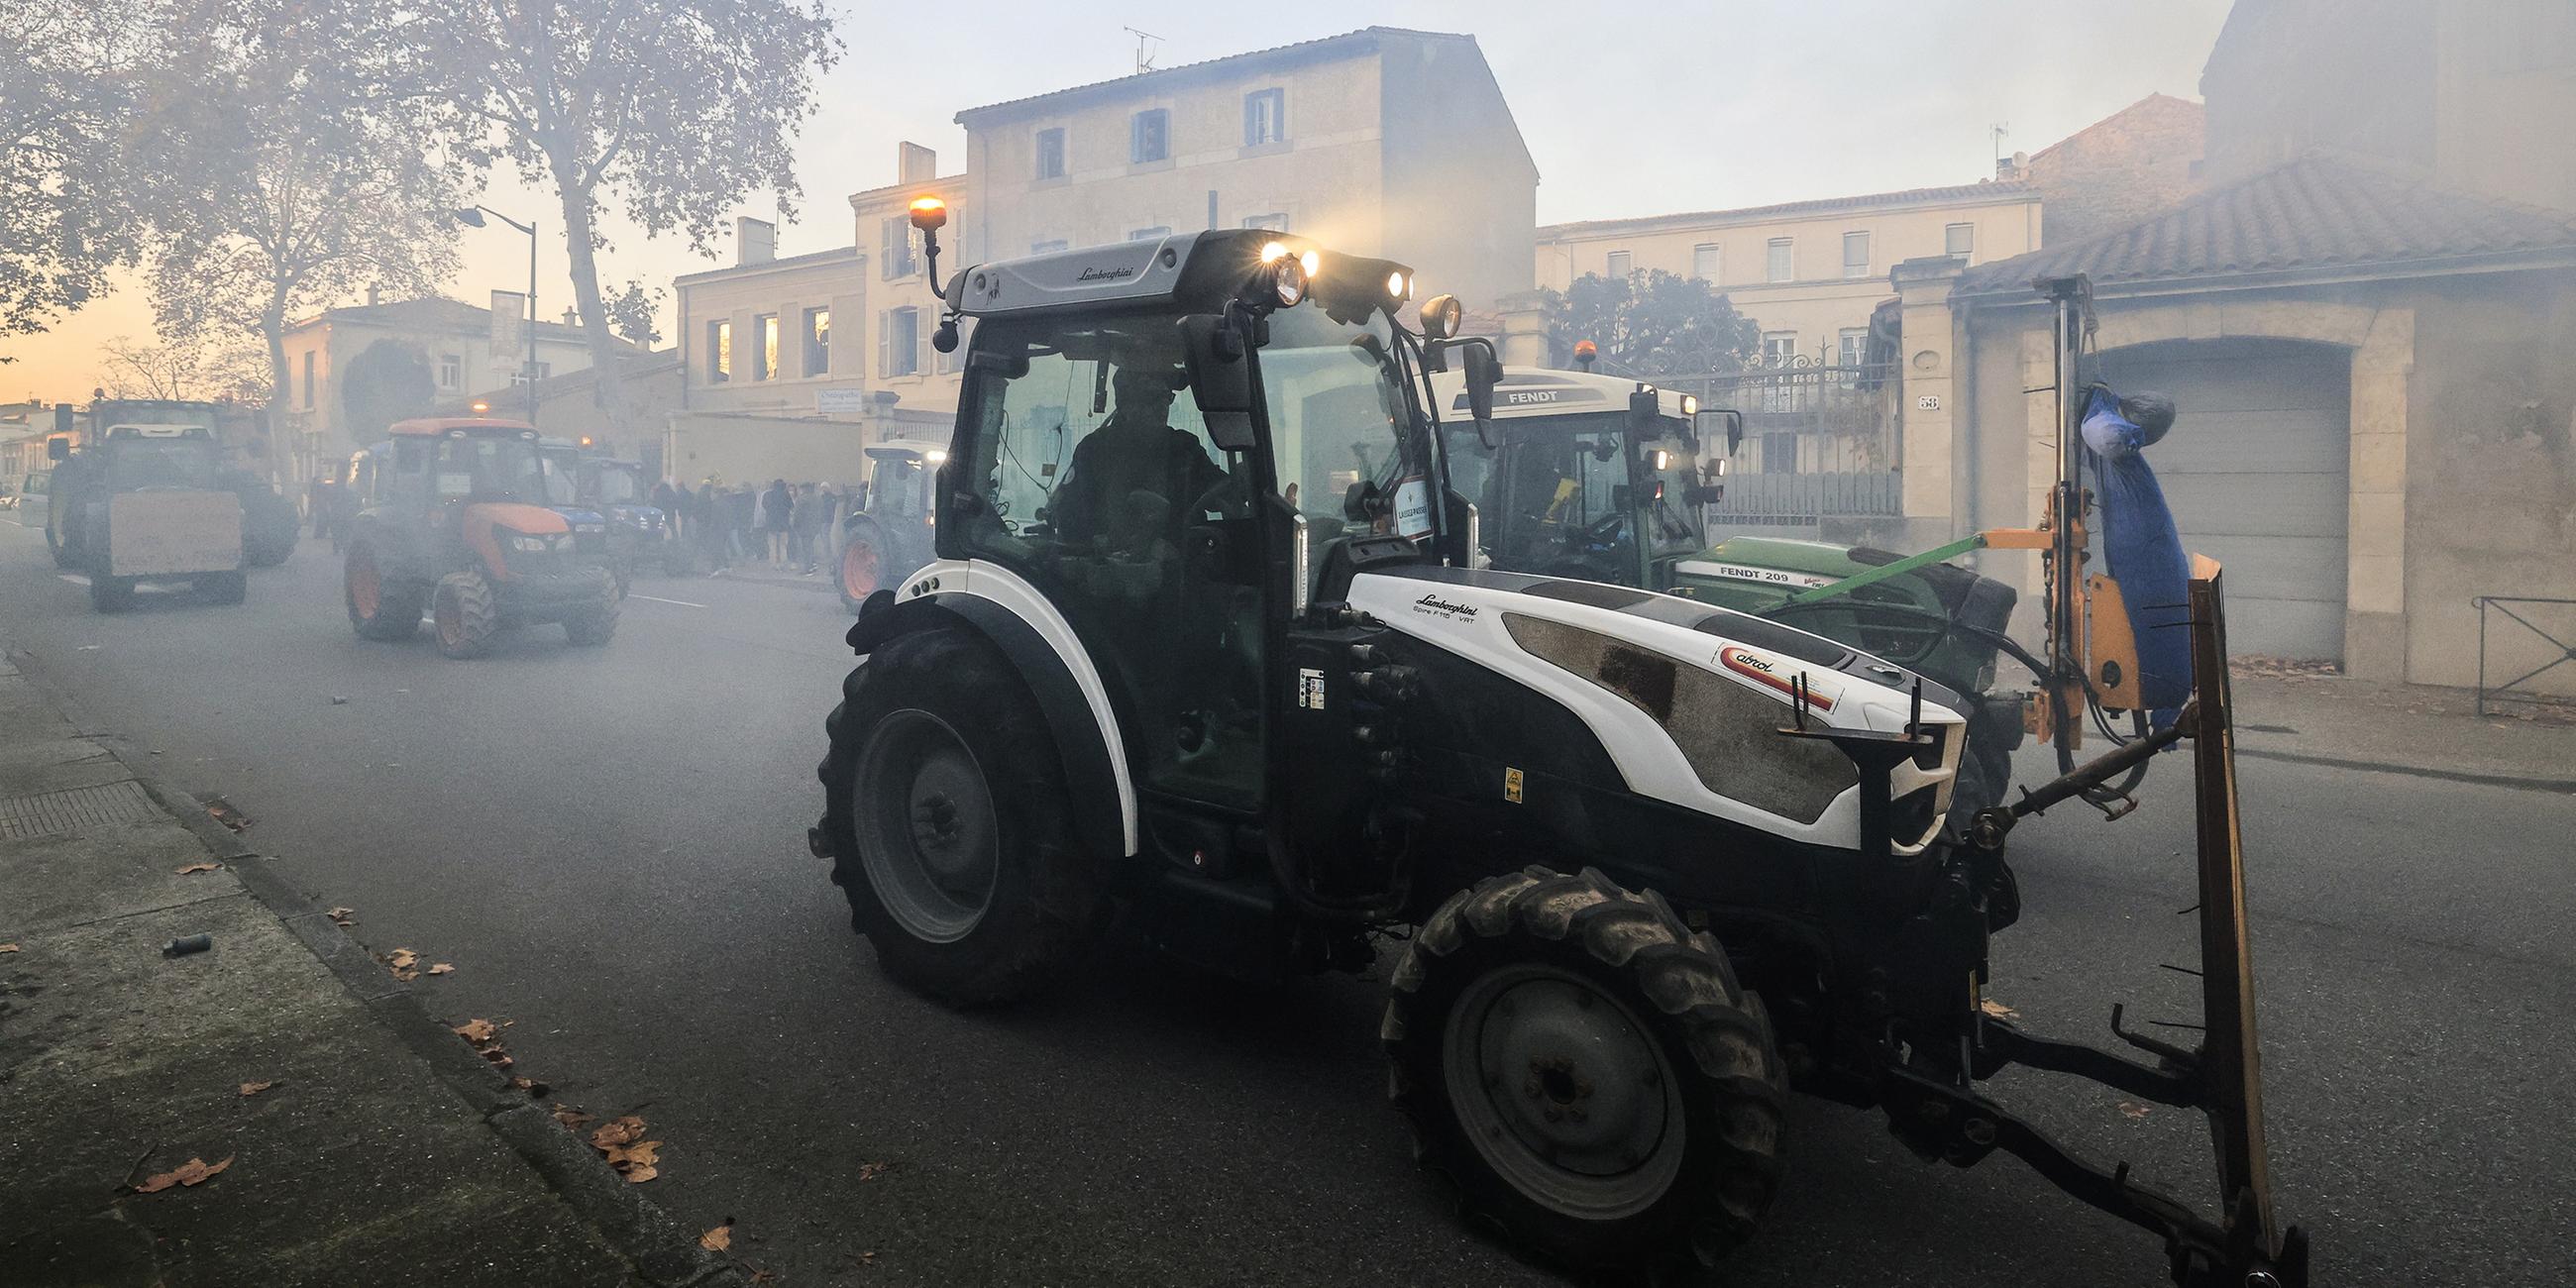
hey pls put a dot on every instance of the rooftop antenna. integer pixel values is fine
(1144, 55)
(1999, 129)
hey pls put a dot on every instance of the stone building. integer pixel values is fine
(2138, 161)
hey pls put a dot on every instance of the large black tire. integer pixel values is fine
(938, 718)
(1640, 1137)
(64, 555)
(381, 606)
(110, 594)
(464, 615)
(597, 624)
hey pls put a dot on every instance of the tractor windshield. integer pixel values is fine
(490, 467)
(619, 485)
(1341, 427)
(1573, 495)
(137, 464)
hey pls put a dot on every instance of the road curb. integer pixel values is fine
(2560, 786)
(663, 1252)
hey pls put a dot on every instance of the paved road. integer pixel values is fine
(609, 845)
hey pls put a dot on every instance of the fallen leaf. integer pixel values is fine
(195, 868)
(529, 1085)
(719, 1238)
(572, 1118)
(477, 1032)
(195, 1171)
(640, 1175)
(441, 968)
(401, 957)
(641, 1154)
(868, 1258)
(343, 916)
(8, 948)
(622, 1131)
(2133, 1109)
(254, 1088)
(1997, 1009)
(871, 1171)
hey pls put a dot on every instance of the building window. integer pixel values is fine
(1276, 221)
(1155, 233)
(764, 364)
(1706, 263)
(1149, 136)
(1852, 346)
(1616, 266)
(1265, 117)
(898, 258)
(451, 372)
(1855, 254)
(1959, 241)
(1779, 348)
(519, 378)
(818, 342)
(1051, 153)
(1783, 265)
(719, 352)
(899, 342)
(1049, 246)
(308, 380)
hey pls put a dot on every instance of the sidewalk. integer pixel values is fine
(380, 1151)
(2413, 729)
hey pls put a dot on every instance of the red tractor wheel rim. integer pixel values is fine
(366, 586)
(859, 569)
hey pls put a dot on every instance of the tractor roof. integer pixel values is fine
(921, 447)
(1194, 271)
(132, 431)
(431, 425)
(1531, 392)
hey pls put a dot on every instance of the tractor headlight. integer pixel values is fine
(524, 544)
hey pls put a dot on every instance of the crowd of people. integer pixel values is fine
(785, 527)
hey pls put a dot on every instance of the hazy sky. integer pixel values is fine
(1629, 108)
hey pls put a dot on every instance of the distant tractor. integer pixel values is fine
(146, 502)
(269, 521)
(889, 539)
(640, 537)
(459, 518)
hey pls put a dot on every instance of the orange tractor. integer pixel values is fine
(469, 520)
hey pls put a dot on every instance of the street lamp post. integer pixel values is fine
(472, 217)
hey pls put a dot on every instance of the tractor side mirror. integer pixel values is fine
(1221, 377)
(58, 449)
(1706, 422)
(1484, 372)
(1644, 408)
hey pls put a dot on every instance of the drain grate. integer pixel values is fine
(53, 813)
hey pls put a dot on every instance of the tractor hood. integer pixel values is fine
(1687, 700)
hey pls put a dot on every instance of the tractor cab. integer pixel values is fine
(165, 458)
(889, 538)
(1592, 477)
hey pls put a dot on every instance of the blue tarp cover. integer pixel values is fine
(2144, 553)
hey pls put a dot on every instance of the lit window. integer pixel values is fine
(1149, 136)
(1051, 153)
(719, 352)
(1782, 266)
(764, 364)
(1855, 254)
(1706, 262)
(1265, 117)
(818, 342)
(1616, 268)
(1959, 241)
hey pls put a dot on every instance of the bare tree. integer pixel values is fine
(69, 74)
(230, 369)
(679, 107)
(284, 180)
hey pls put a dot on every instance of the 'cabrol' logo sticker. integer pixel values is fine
(1451, 609)
(1771, 675)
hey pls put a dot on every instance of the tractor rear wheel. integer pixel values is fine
(597, 624)
(949, 825)
(464, 615)
(381, 606)
(1587, 1074)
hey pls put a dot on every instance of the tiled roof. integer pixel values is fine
(1987, 191)
(2326, 212)
(1356, 40)
(437, 313)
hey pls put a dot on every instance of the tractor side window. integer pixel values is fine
(1338, 418)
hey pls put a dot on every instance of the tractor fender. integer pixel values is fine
(1042, 647)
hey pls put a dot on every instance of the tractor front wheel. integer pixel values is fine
(860, 569)
(381, 606)
(465, 615)
(949, 824)
(597, 624)
(1587, 1074)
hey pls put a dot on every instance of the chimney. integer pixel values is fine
(572, 317)
(2016, 166)
(914, 163)
(755, 241)
(375, 293)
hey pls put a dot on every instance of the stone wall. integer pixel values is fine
(2132, 164)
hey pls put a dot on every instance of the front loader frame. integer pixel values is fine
(1942, 1117)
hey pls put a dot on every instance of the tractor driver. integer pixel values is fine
(1134, 460)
